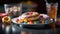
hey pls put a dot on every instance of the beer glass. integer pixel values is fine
(52, 13)
(52, 10)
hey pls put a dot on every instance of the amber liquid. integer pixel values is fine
(52, 12)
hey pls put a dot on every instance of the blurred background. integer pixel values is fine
(41, 8)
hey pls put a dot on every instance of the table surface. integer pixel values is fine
(15, 29)
(34, 31)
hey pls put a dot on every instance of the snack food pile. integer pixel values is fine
(6, 20)
(33, 18)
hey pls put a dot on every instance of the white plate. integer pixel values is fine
(14, 20)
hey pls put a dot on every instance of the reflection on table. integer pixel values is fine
(15, 29)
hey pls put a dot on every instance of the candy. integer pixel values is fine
(42, 21)
(24, 23)
(30, 22)
(46, 21)
(17, 20)
(25, 20)
(36, 22)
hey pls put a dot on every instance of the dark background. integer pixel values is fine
(41, 5)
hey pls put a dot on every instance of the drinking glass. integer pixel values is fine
(52, 10)
(13, 9)
(52, 13)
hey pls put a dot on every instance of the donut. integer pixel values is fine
(44, 16)
(44, 19)
(31, 15)
(6, 20)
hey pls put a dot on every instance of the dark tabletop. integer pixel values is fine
(34, 31)
(15, 29)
